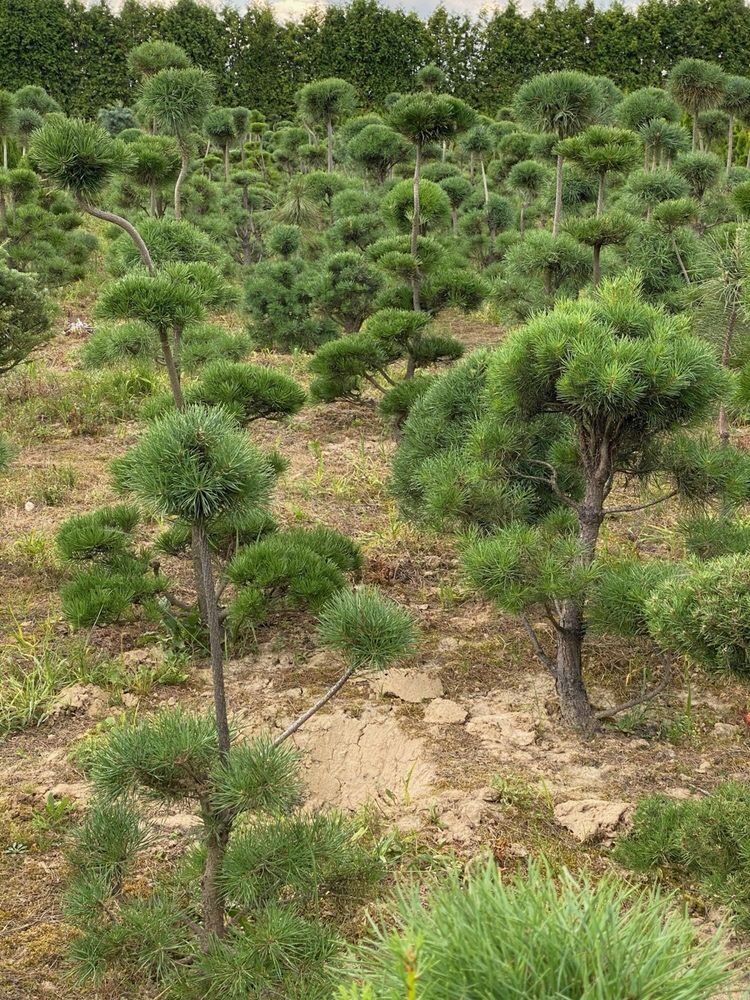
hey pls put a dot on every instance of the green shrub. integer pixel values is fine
(537, 936)
(702, 843)
(703, 613)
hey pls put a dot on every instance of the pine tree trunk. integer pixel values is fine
(152, 199)
(329, 133)
(484, 180)
(415, 215)
(571, 690)
(695, 131)
(558, 196)
(454, 221)
(730, 144)
(596, 268)
(172, 371)
(726, 352)
(118, 220)
(522, 220)
(184, 167)
(600, 195)
(212, 897)
(200, 540)
(5, 152)
(226, 162)
(575, 706)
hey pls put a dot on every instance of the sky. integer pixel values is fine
(294, 9)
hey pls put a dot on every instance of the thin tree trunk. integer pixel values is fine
(680, 261)
(214, 636)
(596, 267)
(212, 897)
(484, 180)
(600, 195)
(118, 220)
(558, 196)
(696, 134)
(726, 352)
(172, 370)
(747, 161)
(5, 152)
(226, 162)
(184, 167)
(152, 199)
(415, 188)
(454, 221)
(730, 145)
(329, 134)
(522, 220)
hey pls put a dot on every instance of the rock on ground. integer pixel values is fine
(445, 712)
(408, 685)
(591, 819)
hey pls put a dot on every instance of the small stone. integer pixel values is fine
(150, 655)
(76, 791)
(640, 745)
(725, 730)
(29, 506)
(704, 767)
(408, 685)
(81, 697)
(443, 711)
(591, 819)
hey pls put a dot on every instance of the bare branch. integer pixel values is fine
(290, 730)
(640, 506)
(666, 677)
(537, 646)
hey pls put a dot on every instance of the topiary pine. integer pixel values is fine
(547, 379)
(262, 877)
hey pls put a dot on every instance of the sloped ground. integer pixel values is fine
(461, 748)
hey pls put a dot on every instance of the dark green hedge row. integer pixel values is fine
(79, 53)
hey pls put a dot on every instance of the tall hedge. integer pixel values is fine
(79, 52)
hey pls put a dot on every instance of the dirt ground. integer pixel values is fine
(419, 747)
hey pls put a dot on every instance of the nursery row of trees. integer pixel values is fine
(79, 52)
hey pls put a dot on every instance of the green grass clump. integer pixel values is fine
(703, 843)
(536, 936)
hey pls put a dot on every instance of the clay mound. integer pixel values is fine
(348, 761)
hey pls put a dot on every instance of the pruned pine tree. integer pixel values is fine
(581, 399)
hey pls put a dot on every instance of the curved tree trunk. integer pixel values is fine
(484, 180)
(118, 220)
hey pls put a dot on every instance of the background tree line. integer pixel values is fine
(79, 53)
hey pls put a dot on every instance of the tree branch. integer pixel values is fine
(298, 723)
(666, 677)
(537, 646)
(640, 506)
